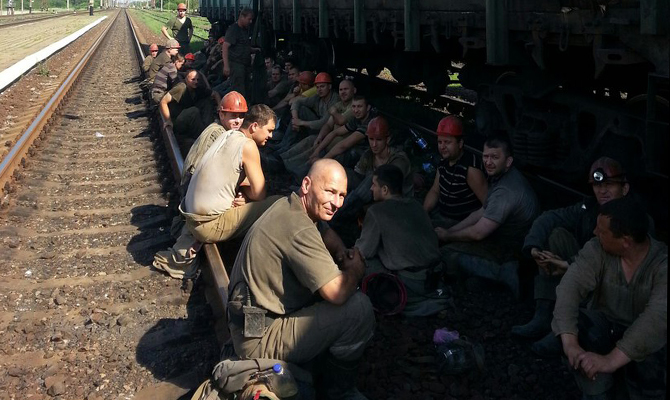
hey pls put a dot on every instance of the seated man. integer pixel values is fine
(349, 139)
(297, 286)
(557, 235)
(226, 194)
(166, 78)
(460, 185)
(278, 87)
(378, 154)
(298, 155)
(295, 77)
(618, 343)
(171, 50)
(489, 237)
(189, 108)
(309, 114)
(397, 236)
(153, 53)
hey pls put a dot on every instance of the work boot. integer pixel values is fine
(339, 380)
(549, 346)
(540, 325)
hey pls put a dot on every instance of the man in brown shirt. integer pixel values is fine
(622, 334)
(305, 283)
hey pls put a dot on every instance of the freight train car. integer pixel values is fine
(568, 80)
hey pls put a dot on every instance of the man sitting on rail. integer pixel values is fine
(460, 186)
(397, 237)
(226, 194)
(484, 242)
(171, 50)
(231, 112)
(340, 113)
(189, 107)
(153, 53)
(618, 343)
(166, 78)
(554, 240)
(293, 287)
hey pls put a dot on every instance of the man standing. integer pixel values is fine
(180, 28)
(460, 185)
(284, 261)
(621, 337)
(236, 52)
(397, 237)
(483, 242)
(557, 235)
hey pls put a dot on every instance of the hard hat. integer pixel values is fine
(221, 40)
(387, 293)
(233, 102)
(378, 128)
(450, 126)
(607, 169)
(189, 56)
(153, 47)
(306, 78)
(323, 77)
(181, 6)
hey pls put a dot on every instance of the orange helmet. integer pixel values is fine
(233, 102)
(221, 40)
(607, 169)
(189, 56)
(306, 78)
(323, 77)
(181, 6)
(378, 128)
(450, 126)
(153, 47)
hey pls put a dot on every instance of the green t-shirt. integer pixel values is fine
(179, 29)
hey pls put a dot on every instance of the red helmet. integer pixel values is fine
(181, 6)
(233, 102)
(378, 128)
(607, 169)
(221, 40)
(323, 77)
(450, 126)
(306, 78)
(189, 56)
(153, 47)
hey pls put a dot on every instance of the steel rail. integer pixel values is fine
(41, 121)
(31, 20)
(214, 270)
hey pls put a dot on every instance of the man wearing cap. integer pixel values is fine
(485, 242)
(617, 343)
(555, 238)
(189, 107)
(226, 193)
(166, 78)
(398, 238)
(460, 185)
(171, 49)
(180, 28)
(153, 53)
(236, 52)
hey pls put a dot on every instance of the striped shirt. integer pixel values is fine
(457, 200)
(165, 79)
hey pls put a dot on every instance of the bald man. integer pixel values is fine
(287, 258)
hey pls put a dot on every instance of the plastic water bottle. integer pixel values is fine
(419, 140)
(281, 381)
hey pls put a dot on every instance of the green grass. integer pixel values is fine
(154, 20)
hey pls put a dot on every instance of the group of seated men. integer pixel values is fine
(480, 214)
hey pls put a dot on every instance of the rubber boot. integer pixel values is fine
(549, 346)
(339, 380)
(540, 325)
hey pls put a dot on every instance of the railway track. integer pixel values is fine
(83, 315)
(7, 22)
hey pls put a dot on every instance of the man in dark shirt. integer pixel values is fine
(180, 28)
(236, 52)
(171, 49)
